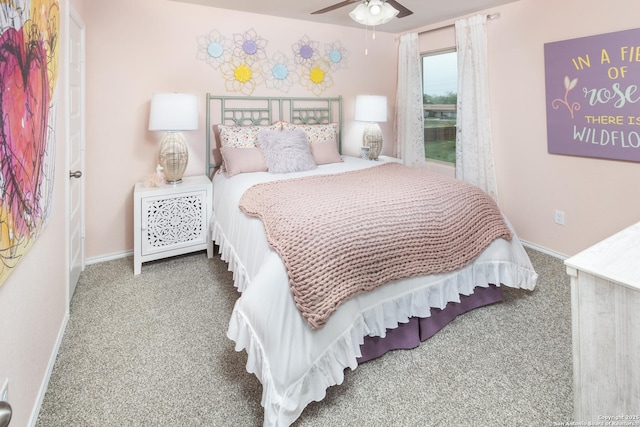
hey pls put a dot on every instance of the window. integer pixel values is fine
(440, 94)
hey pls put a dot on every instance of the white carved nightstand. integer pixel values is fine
(171, 219)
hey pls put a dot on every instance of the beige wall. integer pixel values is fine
(137, 47)
(599, 197)
(133, 51)
(33, 300)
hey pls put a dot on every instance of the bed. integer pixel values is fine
(299, 344)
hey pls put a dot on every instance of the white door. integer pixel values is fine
(75, 149)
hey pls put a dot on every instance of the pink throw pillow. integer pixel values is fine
(325, 152)
(242, 160)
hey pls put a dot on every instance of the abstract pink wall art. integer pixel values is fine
(28, 73)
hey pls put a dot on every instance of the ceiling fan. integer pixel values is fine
(402, 11)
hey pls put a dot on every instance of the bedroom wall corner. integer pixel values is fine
(597, 195)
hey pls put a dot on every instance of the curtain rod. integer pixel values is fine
(489, 17)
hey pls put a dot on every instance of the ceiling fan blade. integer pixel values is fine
(335, 6)
(403, 11)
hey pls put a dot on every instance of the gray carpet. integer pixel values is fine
(151, 350)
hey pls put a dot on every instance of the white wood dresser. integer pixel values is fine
(605, 307)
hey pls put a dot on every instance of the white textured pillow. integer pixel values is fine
(286, 150)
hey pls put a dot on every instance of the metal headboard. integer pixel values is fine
(261, 111)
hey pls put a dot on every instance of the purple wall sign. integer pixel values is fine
(593, 96)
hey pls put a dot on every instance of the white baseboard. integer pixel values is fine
(47, 377)
(544, 250)
(109, 257)
(118, 255)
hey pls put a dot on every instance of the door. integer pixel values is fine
(75, 149)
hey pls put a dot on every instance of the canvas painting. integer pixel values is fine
(593, 95)
(30, 31)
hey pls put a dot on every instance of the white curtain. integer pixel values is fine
(474, 154)
(409, 114)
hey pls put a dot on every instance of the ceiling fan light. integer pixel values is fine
(362, 13)
(359, 13)
(375, 7)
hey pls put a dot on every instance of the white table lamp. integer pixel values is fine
(173, 113)
(373, 110)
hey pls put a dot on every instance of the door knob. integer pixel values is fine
(5, 414)
(76, 174)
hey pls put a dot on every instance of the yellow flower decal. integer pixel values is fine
(242, 73)
(317, 78)
(316, 75)
(241, 76)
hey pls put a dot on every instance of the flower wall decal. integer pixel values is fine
(245, 64)
(317, 78)
(305, 51)
(249, 47)
(336, 56)
(280, 72)
(214, 49)
(241, 76)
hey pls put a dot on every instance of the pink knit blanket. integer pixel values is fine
(340, 235)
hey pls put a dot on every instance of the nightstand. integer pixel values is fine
(172, 219)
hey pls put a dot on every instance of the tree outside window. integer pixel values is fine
(440, 94)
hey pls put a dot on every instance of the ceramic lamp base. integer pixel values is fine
(174, 156)
(372, 138)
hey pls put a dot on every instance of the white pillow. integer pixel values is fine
(286, 150)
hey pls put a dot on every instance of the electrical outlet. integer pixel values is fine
(559, 217)
(4, 391)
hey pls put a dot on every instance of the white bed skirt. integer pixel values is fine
(290, 384)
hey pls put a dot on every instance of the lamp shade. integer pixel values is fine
(173, 112)
(374, 12)
(371, 108)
